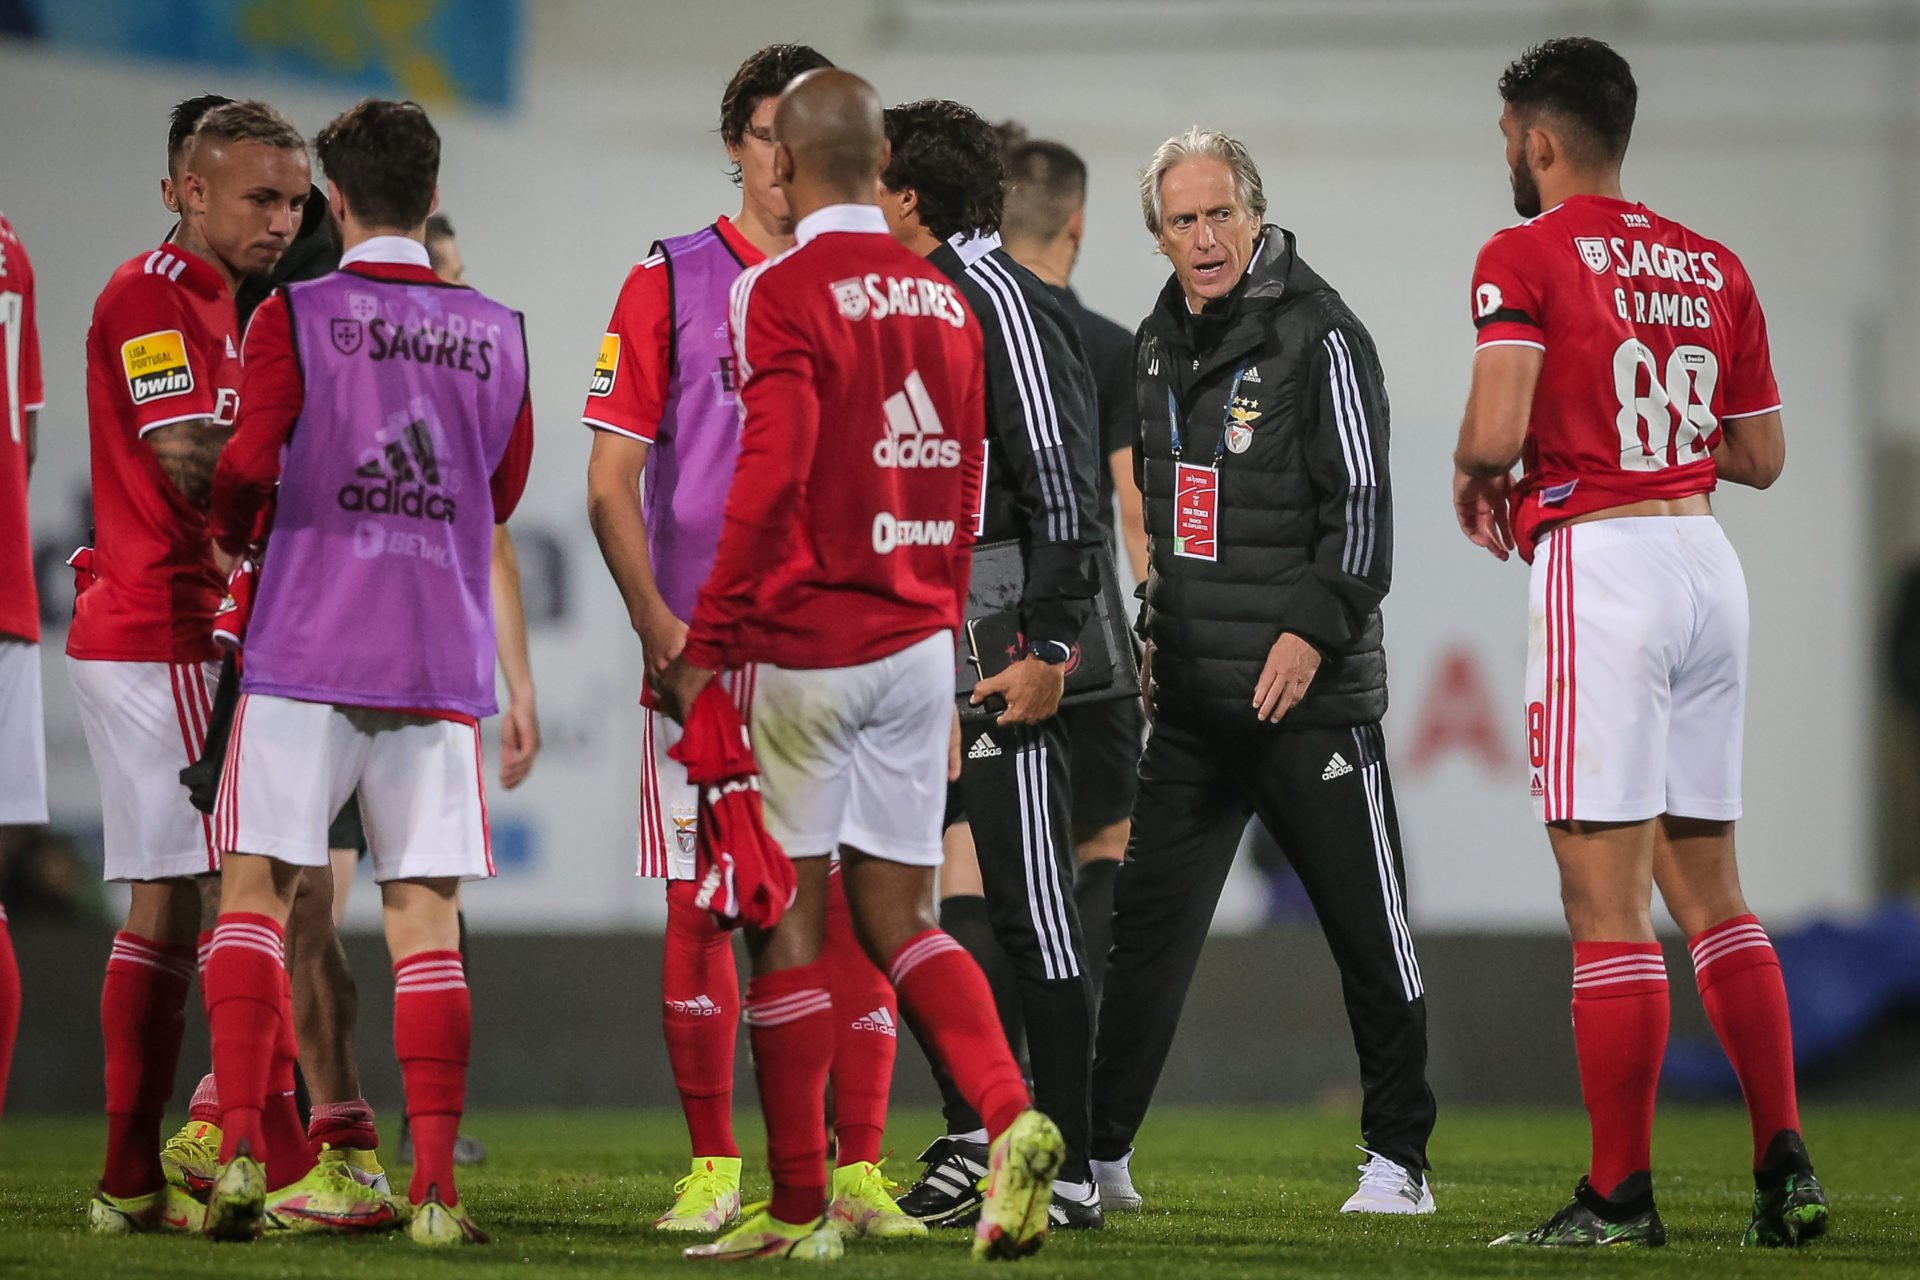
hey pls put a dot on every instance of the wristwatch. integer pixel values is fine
(1051, 652)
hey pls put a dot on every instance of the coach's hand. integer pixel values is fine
(676, 688)
(662, 637)
(1146, 682)
(1482, 505)
(1291, 665)
(1031, 687)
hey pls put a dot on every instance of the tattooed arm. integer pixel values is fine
(187, 452)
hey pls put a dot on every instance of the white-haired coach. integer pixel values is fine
(1262, 452)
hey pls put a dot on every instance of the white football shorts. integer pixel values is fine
(669, 804)
(856, 756)
(23, 735)
(291, 765)
(1636, 671)
(146, 721)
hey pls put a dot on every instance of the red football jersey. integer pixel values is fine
(1653, 338)
(161, 350)
(20, 393)
(633, 376)
(849, 525)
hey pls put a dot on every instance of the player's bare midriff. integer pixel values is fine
(1694, 505)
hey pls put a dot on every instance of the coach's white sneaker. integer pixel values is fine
(1114, 1179)
(1386, 1187)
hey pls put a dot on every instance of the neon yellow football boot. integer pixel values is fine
(1021, 1166)
(361, 1165)
(861, 1204)
(237, 1201)
(763, 1236)
(707, 1199)
(438, 1224)
(330, 1198)
(191, 1158)
(168, 1209)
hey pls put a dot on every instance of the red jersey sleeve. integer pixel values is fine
(509, 479)
(1508, 286)
(33, 392)
(271, 394)
(628, 393)
(779, 430)
(1748, 387)
(973, 476)
(145, 337)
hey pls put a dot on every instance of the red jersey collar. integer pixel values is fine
(742, 247)
(840, 217)
(194, 271)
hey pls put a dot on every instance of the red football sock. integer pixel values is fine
(1620, 1016)
(9, 1004)
(290, 1154)
(790, 1020)
(432, 1035)
(204, 1107)
(143, 1006)
(245, 982)
(345, 1126)
(865, 1035)
(946, 995)
(1746, 1000)
(700, 992)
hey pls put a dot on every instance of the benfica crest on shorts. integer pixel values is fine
(1594, 252)
(347, 335)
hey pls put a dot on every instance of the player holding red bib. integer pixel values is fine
(163, 377)
(666, 419)
(841, 577)
(1623, 362)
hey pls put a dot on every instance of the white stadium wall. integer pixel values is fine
(1378, 148)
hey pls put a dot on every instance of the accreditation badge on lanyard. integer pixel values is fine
(1196, 511)
(1196, 489)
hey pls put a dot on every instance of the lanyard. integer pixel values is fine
(1226, 417)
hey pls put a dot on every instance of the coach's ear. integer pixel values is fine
(337, 203)
(782, 164)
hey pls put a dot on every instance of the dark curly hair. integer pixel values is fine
(952, 159)
(385, 157)
(1579, 81)
(764, 75)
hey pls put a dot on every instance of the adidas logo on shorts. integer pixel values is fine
(879, 1020)
(1336, 768)
(698, 1007)
(983, 748)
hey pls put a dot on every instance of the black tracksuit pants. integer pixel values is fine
(1015, 790)
(1325, 795)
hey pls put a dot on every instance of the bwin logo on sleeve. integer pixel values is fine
(156, 366)
(914, 435)
(605, 366)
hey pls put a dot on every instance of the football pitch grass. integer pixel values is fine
(1229, 1191)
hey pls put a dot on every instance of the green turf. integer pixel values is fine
(1240, 1192)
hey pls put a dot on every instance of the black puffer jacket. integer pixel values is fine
(1282, 379)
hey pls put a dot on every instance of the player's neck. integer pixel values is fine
(1604, 185)
(768, 234)
(353, 234)
(1053, 263)
(187, 236)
